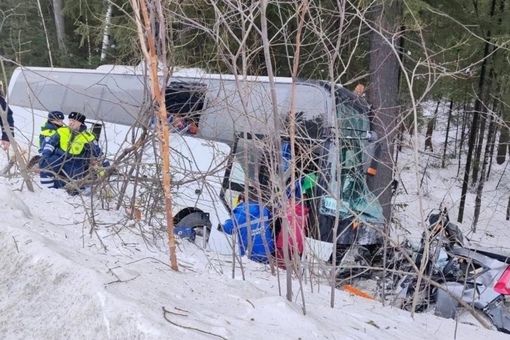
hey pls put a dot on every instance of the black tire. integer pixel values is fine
(199, 221)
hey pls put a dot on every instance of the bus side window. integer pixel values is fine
(96, 129)
(186, 100)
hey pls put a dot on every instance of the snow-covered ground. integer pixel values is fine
(60, 282)
(425, 185)
(60, 279)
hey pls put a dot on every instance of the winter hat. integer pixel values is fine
(55, 115)
(77, 116)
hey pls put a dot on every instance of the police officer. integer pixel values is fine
(68, 152)
(80, 145)
(51, 162)
(49, 128)
(5, 142)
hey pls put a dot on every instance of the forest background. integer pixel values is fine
(451, 54)
(405, 52)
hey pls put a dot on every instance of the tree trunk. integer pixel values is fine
(430, 129)
(477, 157)
(148, 45)
(504, 141)
(483, 171)
(274, 102)
(491, 155)
(493, 131)
(481, 134)
(467, 169)
(462, 135)
(476, 117)
(443, 163)
(484, 89)
(59, 24)
(48, 46)
(508, 210)
(106, 31)
(383, 94)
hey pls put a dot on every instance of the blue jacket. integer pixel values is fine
(74, 164)
(258, 238)
(286, 155)
(52, 145)
(47, 131)
(10, 119)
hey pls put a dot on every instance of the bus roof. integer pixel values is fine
(180, 72)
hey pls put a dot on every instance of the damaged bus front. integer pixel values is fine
(335, 145)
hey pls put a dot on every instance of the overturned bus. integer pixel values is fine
(274, 135)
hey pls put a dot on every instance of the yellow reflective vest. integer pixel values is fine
(74, 143)
(45, 132)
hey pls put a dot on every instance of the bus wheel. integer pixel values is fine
(199, 221)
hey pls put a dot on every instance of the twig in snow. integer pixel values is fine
(110, 270)
(250, 303)
(182, 310)
(119, 280)
(173, 313)
(165, 312)
(149, 258)
(16, 244)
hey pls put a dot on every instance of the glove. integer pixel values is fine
(5, 144)
(99, 171)
(44, 161)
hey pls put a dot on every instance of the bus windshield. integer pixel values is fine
(348, 184)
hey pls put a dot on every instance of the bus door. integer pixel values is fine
(247, 170)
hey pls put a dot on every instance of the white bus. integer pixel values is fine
(237, 112)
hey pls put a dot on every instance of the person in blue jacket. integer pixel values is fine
(254, 234)
(69, 152)
(82, 148)
(10, 120)
(51, 167)
(49, 128)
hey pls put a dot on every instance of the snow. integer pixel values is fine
(63, 279)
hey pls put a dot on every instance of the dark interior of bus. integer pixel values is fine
(185, 99)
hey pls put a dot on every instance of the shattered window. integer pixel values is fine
(348, 191)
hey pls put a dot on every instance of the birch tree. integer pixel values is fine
(58, 14)
(154, 62)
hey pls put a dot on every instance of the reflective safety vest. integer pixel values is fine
(74, 146)
(45, 132)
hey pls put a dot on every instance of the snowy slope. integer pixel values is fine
(59, 282)
(62, 280)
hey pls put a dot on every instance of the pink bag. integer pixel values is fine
(298, 223)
